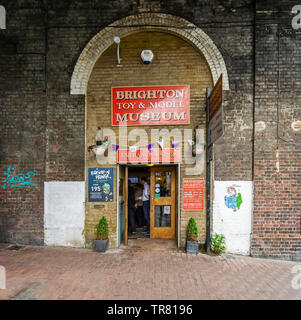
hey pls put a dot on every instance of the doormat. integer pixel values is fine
(14, 247)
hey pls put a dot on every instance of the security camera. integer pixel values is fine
(147, 56)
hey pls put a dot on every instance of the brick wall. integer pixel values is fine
(277, 165)
(43, 126)
(22, 121)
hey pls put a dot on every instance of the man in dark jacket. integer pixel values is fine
(139, 206)
(131, 210)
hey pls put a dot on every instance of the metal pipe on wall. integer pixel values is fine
(208, 172)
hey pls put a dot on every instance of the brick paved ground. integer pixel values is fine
(67, 273)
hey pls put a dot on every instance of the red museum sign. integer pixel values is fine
(158, 105)
(145, 156)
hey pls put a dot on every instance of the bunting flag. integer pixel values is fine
(115, 147)
(174, 144)
(161, 143)
(191, 142)
(133, 148)
(150, 147)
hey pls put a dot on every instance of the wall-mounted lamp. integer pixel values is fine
(117, 41)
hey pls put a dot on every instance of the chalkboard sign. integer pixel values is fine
(101, 185)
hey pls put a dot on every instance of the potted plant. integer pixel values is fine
(192, 244)
(218, 243)
(101, 244)
(101, 146)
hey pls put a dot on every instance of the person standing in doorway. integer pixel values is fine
(139, 206)
(131, 210)
(146, 203)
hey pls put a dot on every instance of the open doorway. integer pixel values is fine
(138, 202)
(159, 185)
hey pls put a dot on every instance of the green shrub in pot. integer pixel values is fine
(192, 244)
(101, 244)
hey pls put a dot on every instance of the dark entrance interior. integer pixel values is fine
(135, 174)
(162, 181)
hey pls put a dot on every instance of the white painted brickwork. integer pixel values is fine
(64, 213)
(235, 224)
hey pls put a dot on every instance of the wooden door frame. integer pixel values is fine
(125, 209)
(178, 205)
(177, 168)
(168, 232)
(117, 203)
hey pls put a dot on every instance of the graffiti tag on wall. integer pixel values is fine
(233, 199)
(17, 180)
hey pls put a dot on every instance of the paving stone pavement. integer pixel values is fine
(69, 273)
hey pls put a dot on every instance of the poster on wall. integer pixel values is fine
(193, 194)
(156, 105)
(101, 185)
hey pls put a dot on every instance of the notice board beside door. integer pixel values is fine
(193, 194)
(101, 185)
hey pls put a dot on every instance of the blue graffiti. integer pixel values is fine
(17, 181)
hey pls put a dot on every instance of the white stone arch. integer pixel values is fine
(2, 17)
(141, 22)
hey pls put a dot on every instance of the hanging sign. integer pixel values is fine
(216, 125)
(216, 113)
(157, 105)
(193, 194)
(216, 97)
(145, 156)
(101, 185)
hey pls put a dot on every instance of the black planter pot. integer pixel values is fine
(192, 247)
(101, 245)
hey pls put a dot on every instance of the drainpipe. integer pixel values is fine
(208, 171)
